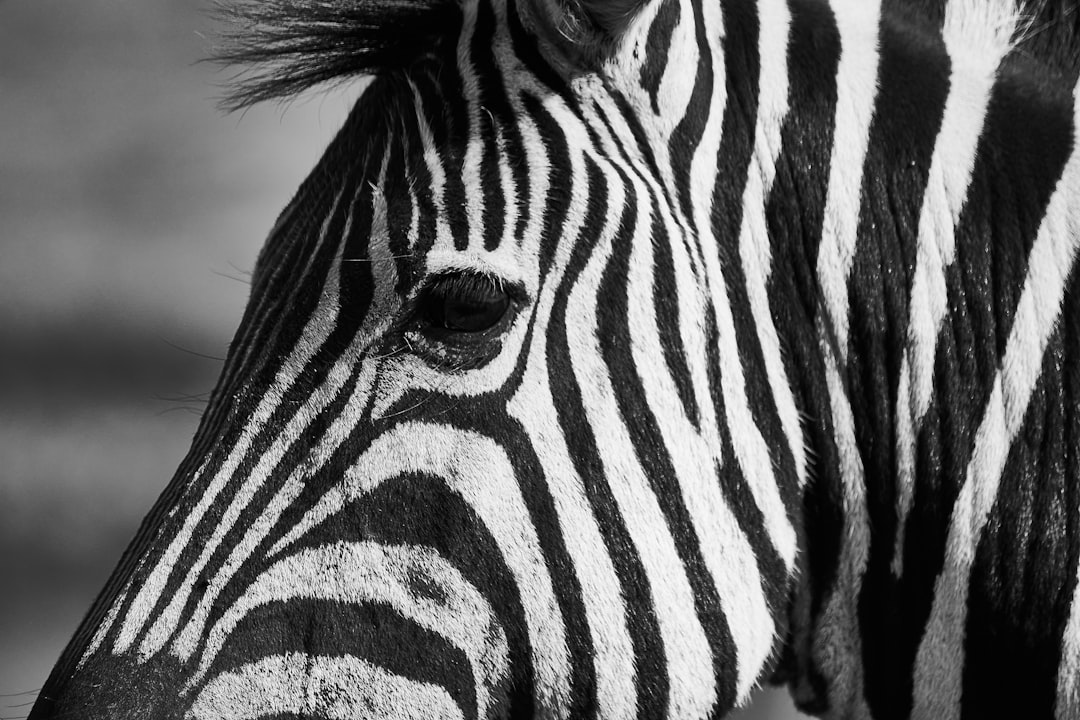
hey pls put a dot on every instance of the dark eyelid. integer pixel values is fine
(462, 305)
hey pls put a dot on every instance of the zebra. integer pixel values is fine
(621, 356)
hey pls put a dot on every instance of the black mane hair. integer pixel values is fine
(1053, 36)
(285, 47)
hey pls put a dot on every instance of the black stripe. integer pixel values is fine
(400, 213)
(486, 415)
(488, 86)
(373, 632)
(527, 51)
(733, 159)
(913, 80)
(665, 295)
(614, 333)
(1024, 574)
(928, 15)
(1020, 157)
(422, 510)
(665, 298)
(795, 213)
(658, 44)
(313, 486)
(560, 181)
(355, 288)
(652, 680)
(182, 499)
(687, 134)
(495, 98)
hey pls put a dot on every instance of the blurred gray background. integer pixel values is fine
(130, 212)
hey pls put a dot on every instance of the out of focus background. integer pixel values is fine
(131, 211)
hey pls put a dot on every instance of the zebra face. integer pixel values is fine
(477, 445)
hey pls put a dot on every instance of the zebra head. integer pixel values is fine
(505, 430)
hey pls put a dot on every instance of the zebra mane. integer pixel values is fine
(284, 47)
(1053, 35)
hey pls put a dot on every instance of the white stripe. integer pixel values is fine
(534, 408)
(673, 91)
(369, 573)
(166, 623)
(337, 688)
(1067, 706)
(938, 682)
(695, 457)
(693, 291)
(601, 594)
(689, 660)
(107, 623)
(856, 90)
(724, 547)
(747, 442)
(471, 178)
(188, 639)
(755, 251)
(384, 276)
(444, 238)
(748, 445)
(976, 42)
(314, 335)
(838, 643)
(509, 244)
(477, 469)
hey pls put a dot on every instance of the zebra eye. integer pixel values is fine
(465, 303)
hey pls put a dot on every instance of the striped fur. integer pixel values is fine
(790, 388)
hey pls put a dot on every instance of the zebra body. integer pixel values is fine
(781, 378)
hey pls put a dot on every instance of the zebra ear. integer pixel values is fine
(580, 30)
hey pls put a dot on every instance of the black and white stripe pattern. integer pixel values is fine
(790, 386)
